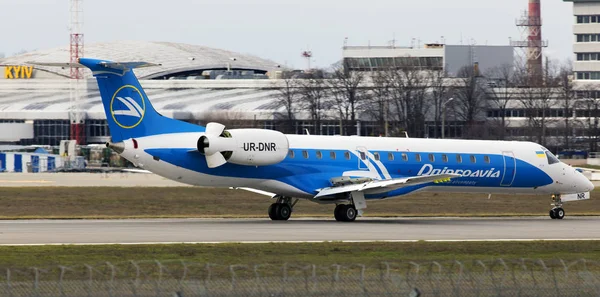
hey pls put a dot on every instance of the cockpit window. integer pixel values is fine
(551, 158)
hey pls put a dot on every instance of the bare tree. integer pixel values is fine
(502, 83)
(439, 93)
(378, 102)
(564, 82)
(409, 103)
(470, 101)
(287, 98)
(314, 99)
(349, 93)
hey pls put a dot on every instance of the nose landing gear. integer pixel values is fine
(557, 212)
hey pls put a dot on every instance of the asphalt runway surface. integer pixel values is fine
(147, 231)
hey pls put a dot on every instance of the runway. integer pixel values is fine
(35, 232)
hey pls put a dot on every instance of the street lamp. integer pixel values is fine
(444, 116)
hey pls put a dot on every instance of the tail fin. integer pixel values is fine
(129, 113)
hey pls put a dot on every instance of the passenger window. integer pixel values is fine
(319, 155)
(473, 160)
(390, 156)
(458, 158)
(445, 158)
(376, 155)
(486, 159)
(404, 157)
(418, 157)
(305, 154)
(332, 155)
(347, 155)
(291, 154)
(363, 156)
(431, 158)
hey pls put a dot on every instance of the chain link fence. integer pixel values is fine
(183, 279)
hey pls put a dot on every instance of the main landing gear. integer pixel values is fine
(345, 213)
(282, 209)
(557, 212)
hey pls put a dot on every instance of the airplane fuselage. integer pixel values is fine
(313, 161)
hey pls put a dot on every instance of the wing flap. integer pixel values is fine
(389, 184)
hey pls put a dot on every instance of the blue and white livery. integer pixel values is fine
(342, 170)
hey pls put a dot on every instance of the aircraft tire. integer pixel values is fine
(284, 211)
(345, 213)
(337, 213)
(552, 214)
(273, 210)
(350, 213)
(559, 213)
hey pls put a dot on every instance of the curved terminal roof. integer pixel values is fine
(175, 58)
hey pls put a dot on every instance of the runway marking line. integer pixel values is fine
(305, 241)
(26, 181)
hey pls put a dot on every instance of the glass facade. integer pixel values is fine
(588, 75)
(587, 19)
(370, 64)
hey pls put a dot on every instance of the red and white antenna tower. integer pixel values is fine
(531, 22)
(76, 51)
(308, 55)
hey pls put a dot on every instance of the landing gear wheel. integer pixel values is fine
(280, 211)
(559, 213)
(273, 208)
(284, 212)
(345, 213)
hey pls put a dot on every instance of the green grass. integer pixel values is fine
(278, 253)
(139, 202)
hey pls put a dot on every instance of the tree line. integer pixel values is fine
(417, 101)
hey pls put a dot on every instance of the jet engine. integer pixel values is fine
(252, 147)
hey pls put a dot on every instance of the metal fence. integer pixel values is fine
(179, 278)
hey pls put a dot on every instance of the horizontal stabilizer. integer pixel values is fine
(388, 184)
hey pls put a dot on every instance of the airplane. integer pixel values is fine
(346, 171)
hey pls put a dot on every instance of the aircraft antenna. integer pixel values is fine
(77, 126)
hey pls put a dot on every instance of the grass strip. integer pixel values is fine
(299, 253)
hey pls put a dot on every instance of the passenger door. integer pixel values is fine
(510, 169)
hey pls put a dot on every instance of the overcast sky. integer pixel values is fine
(281, 29)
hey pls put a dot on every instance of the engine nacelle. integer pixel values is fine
(252, 147)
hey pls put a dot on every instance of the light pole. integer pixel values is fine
(444, 116)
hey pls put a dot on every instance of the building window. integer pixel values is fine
(588, 75)
(588, 37)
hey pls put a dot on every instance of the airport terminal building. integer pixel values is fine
(193, 83)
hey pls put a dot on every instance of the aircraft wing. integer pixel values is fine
(388, 184)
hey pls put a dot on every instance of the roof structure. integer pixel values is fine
(50, 100)
(174, 57)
